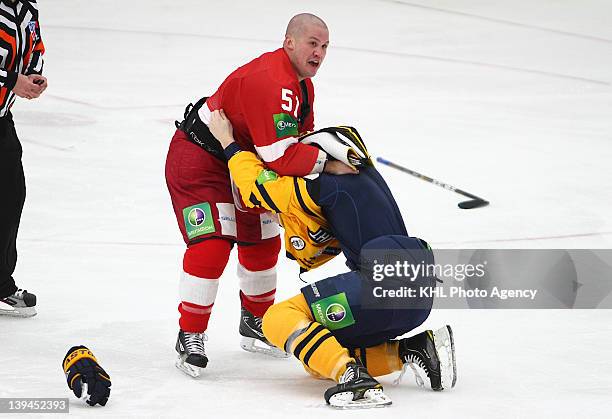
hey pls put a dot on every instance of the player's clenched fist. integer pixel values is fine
(85, 377)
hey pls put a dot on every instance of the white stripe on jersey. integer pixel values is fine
(268, 153)
(275, 150)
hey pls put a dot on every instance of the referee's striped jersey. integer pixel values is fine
(21, 47)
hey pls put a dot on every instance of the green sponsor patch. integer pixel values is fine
(198, 220)
(333, 312)
(285, 125)
(266, 176)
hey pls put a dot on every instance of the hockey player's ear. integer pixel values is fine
(289, 43)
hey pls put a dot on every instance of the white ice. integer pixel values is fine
(509, 100)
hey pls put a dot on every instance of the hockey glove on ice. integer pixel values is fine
(85, 377)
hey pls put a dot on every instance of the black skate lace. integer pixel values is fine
(19, 293)
(194, 343)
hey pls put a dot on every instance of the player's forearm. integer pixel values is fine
(299, 160)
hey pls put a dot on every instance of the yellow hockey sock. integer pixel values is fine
(289, 325)
(382, 359)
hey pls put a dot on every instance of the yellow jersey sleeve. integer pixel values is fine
(259, 186)
(307, 236)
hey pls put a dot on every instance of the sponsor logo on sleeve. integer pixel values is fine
(285, 125)
(266, 176)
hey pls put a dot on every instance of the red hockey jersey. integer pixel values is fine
(264, 101)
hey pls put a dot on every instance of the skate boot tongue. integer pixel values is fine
(194, 342)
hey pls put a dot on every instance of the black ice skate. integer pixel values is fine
(19, 304)
(432, 352)
(253, 339)
(356, 390)
(191, 355)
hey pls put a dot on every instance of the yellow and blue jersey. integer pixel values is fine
(352, 212)
(308, 239)
(320, 216)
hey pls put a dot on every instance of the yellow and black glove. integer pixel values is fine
(85, 377)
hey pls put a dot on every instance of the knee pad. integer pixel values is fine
(260, 256)
(207, 259)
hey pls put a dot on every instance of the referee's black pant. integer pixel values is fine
(12, 197)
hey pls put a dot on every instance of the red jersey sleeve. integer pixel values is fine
(271, 112)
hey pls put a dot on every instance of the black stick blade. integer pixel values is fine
(474, 203)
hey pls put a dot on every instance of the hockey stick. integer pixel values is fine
(474, 202)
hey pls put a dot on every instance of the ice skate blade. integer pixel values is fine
(7, 310)
(372, 398)
(259, 347)
(445, 346)
(188, 369)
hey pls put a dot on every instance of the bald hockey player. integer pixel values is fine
(270, 101)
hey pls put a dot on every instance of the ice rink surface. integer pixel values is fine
(509, 100)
